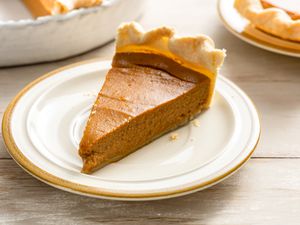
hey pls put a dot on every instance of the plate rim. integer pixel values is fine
(252, 40)
(66, 185)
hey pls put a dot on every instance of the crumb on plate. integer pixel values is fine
(173, 137)
(90, 94)
(196, 123)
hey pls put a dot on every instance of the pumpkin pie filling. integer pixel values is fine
(145, 94)
(52, 7)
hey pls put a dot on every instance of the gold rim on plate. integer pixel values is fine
(57, 182)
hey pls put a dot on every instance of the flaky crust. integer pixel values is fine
(271, 20)
(198, 50)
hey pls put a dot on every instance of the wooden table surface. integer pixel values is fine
(265, 191)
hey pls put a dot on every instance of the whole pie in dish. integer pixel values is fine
(280, 18)
(53, 7)
(158, 81)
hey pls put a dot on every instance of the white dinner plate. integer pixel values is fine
(43, 125)
(238, 25)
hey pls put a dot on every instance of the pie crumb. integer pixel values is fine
(196, 123)
(173, 137)
(90, 94)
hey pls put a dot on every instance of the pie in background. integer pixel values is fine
(280, 18)
(158, 81)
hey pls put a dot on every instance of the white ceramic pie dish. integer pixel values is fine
(43, 125)
(25, 40)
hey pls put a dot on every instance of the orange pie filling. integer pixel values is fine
(166, 61)
(52, 7)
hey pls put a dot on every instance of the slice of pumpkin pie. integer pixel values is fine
(158, 81)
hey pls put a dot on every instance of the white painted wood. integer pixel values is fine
(264, 192)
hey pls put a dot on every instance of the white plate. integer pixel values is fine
(25, 40)
(44, 123)
(237, 24)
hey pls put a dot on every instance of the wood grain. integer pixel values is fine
(265, 191)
